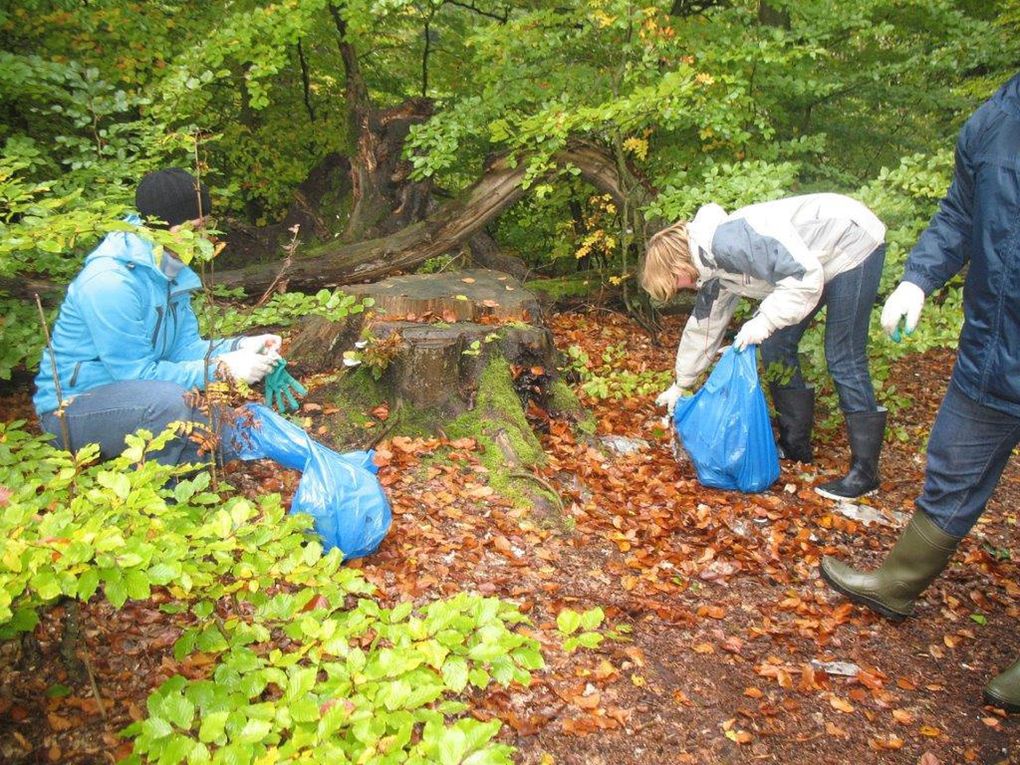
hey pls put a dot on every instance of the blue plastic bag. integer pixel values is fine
(725, 428)
(339, 491)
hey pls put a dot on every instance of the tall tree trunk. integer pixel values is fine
(445, 229)
(384, 200)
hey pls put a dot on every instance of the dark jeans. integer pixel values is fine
(105, 415)
(849, 298)
(967, 452)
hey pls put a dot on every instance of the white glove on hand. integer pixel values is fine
(670, 396)
(907, 300)
(246, 365)
(754, 331)
(257, 343)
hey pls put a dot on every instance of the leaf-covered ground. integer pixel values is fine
(720, 643)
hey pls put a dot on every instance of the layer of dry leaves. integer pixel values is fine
(734, 645)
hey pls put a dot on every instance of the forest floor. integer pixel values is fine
(722, 643)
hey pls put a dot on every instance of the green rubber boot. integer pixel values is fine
(1004, 689)
(919, 555)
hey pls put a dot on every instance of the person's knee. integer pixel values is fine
(169, 402)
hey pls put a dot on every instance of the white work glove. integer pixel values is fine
(754, 331)
(906, 301)
(670, 396)
(258, 343)
(246, 365)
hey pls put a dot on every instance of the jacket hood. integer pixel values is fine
(135, 252)
(1008, 97)
(700, 232)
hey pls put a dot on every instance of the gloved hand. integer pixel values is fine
(258, 343)
(670, 396)
(246, 365)
(754, 331)
(906, 301)
(281, 388)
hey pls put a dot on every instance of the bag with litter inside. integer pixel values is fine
(724, 428)
(339, 491)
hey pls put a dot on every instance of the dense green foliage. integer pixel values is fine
(356, 682)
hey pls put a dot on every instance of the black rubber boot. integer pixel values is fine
(795, 413)
(920, 554)
(1004, 690)
(867, 432)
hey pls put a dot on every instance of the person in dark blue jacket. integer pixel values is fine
(978, 424)
(126, 348)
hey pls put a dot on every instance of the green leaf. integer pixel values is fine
(254, 731)
(455, 673)
(88, 582)
(179, 710)
(591, 619)
(212, 727)
(567, 621)
(156, 728)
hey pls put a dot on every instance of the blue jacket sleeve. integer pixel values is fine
(190, 346)
(945, 246)
(114, 313)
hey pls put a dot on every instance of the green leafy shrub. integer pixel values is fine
(352, 681)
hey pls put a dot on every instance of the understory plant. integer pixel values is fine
(303, 663)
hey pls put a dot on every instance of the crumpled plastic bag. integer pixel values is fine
(725, 430)
(340, 491)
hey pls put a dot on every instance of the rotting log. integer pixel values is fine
(444, 230)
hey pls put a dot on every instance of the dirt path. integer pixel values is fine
(718, 630)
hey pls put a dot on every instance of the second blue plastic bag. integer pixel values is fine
(339, 491)
(725, 428)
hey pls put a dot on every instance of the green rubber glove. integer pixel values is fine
(282, 389)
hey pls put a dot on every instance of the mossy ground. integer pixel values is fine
(497, 423)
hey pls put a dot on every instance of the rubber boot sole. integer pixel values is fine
(1000, 704)
(841, 498)
(863, 600)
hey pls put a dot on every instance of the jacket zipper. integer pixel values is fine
(159, 323)
(74, 375)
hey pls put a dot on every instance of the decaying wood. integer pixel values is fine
(442, 231)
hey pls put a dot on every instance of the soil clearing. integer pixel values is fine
(726, 646)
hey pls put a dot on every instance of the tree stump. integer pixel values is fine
(440, 332)
(461, 354)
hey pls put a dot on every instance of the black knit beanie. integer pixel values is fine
(170, 195)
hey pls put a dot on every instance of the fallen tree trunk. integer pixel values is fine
(453, 224)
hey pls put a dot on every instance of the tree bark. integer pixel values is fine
(445, 229)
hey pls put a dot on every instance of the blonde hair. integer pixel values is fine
(667, 256)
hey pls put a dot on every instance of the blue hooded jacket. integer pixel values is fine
(123, 319)
(978, 223)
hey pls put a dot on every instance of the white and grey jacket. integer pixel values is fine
(780, 252)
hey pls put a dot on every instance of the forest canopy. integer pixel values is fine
(360, 119)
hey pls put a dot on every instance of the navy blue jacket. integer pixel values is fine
(978, 222)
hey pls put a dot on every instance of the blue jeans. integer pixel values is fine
(849, 298)
(105, 415)
(967, 452)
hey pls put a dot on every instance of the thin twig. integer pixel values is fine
(64, 433)
(541, 482)
(95, 685)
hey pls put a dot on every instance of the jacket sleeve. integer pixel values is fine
(114, 313)
(703, 333)
(945, 246)
(190, 346)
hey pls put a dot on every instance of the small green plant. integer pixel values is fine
(307, 666)
(282, 310)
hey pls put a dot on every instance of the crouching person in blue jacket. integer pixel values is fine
(978, 424)
(795, 255)
(126, 347)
